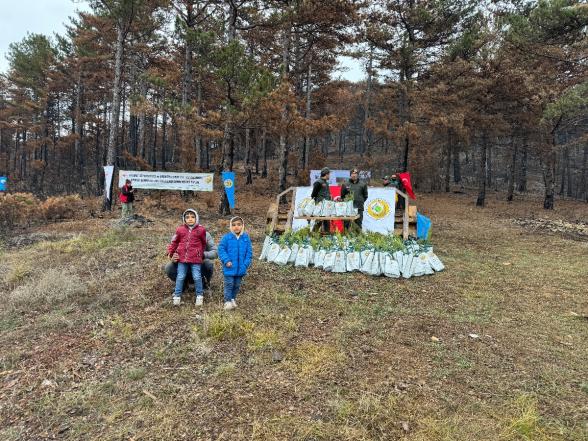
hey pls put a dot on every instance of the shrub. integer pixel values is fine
(47, 289)
(16, 209)
(221, 326)
(61, 207)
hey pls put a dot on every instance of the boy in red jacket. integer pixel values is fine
(189, 242)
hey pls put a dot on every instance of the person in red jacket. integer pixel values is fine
(127, 197)
(189, 243)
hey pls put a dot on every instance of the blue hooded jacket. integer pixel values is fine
(236, 250)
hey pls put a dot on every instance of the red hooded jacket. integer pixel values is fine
(190, 244)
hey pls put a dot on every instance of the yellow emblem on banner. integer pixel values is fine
(378, 209)
(208, 179)
(228, 183)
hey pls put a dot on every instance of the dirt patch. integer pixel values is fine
(570, 230)
(136, 221)
(25, 240)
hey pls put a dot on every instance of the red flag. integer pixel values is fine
(406, 184)
(336, 225)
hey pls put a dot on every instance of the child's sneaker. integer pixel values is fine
(177, 300)
(234, 303)
(199, 300)
(228, 306)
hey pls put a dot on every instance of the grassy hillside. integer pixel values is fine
(494, 348)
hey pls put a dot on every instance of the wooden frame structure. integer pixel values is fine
(275, 213)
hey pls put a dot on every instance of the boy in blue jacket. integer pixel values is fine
(235, 253)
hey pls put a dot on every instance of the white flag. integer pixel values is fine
(108, 172)
(378, 214)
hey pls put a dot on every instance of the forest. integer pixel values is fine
(488, 95)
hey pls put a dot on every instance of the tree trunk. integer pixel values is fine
(142, 118)
(564, 166)
(481, 201)
(163, 135)
(248, 155)
(489, 175)
(512, 171)
(584, 180)
(570, 192)
(227, 144)
(522, 181)
(283, 147)
(366, 108)
(448, 162)
(154, 143)
(111, 154)
(549, 178)
(264, 153)
(198, 141)
(78, 160)
(304, 157)
(456, 167)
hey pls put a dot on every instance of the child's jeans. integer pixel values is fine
(182, 272)
(232, 285)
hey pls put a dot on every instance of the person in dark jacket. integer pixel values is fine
(320, 188)
(322, 192)
(397, 183)
(127, 197)
(206, 270)
(235, 253)
(189, 243)
(359, 190)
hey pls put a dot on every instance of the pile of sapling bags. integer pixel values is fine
(371, 253)
(307, 207)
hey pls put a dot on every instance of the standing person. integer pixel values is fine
(386, 181)
(127, 196)
(359, 190)
(397, 183)
(206, 270)
(189, 242)
(321, 192)
(235, 253)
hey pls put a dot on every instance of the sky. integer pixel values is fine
(19, 17)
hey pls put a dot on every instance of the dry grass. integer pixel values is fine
(308, 355)
(48, 288)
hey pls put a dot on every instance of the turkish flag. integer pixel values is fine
(336, 225)
(406, 184)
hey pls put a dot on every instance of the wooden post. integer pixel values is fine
(405, 221)
(292, 208)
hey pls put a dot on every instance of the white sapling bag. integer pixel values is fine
(284, 255)
(408, 265)
(353, 261)
(363, 255)
(435, 262)
(350, 209)
(419, 266)
(375, 269)
(294, 253)
(341, 208)
(273, 252)
(302, 257)
(310, 252)
(329, 261)
(427, 265)
(391, 268)
(340, 265)
(319, 258)
(367, 261)
(309, 208)
(266, 247)
(329, 209)
(318, 209)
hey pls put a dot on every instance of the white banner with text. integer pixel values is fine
(167, 180)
